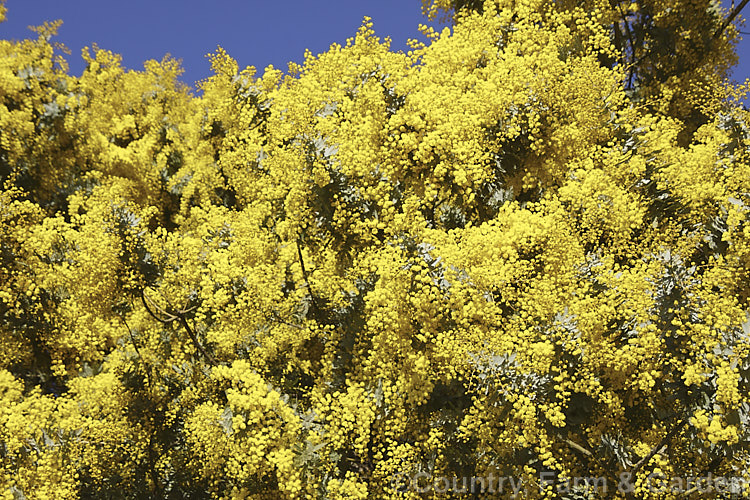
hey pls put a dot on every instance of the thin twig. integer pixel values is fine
(730, 18)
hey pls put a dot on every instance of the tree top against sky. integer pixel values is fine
(254, 33)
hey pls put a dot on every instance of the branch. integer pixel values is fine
(178, 315)
(157, 485)
(710, 469)
(283, 322)
(146, 301)
(730, 18)
(631, 40)
(198, 345)
(578, 447)
(658, 448)
(138, 352)
(307, 280)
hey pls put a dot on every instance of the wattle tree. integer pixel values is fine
(520, 250)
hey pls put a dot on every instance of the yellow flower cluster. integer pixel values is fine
(248, 439)
(712, 427)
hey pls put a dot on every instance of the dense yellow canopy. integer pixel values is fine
(520, 250)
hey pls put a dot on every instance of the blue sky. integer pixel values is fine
(253, 32)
